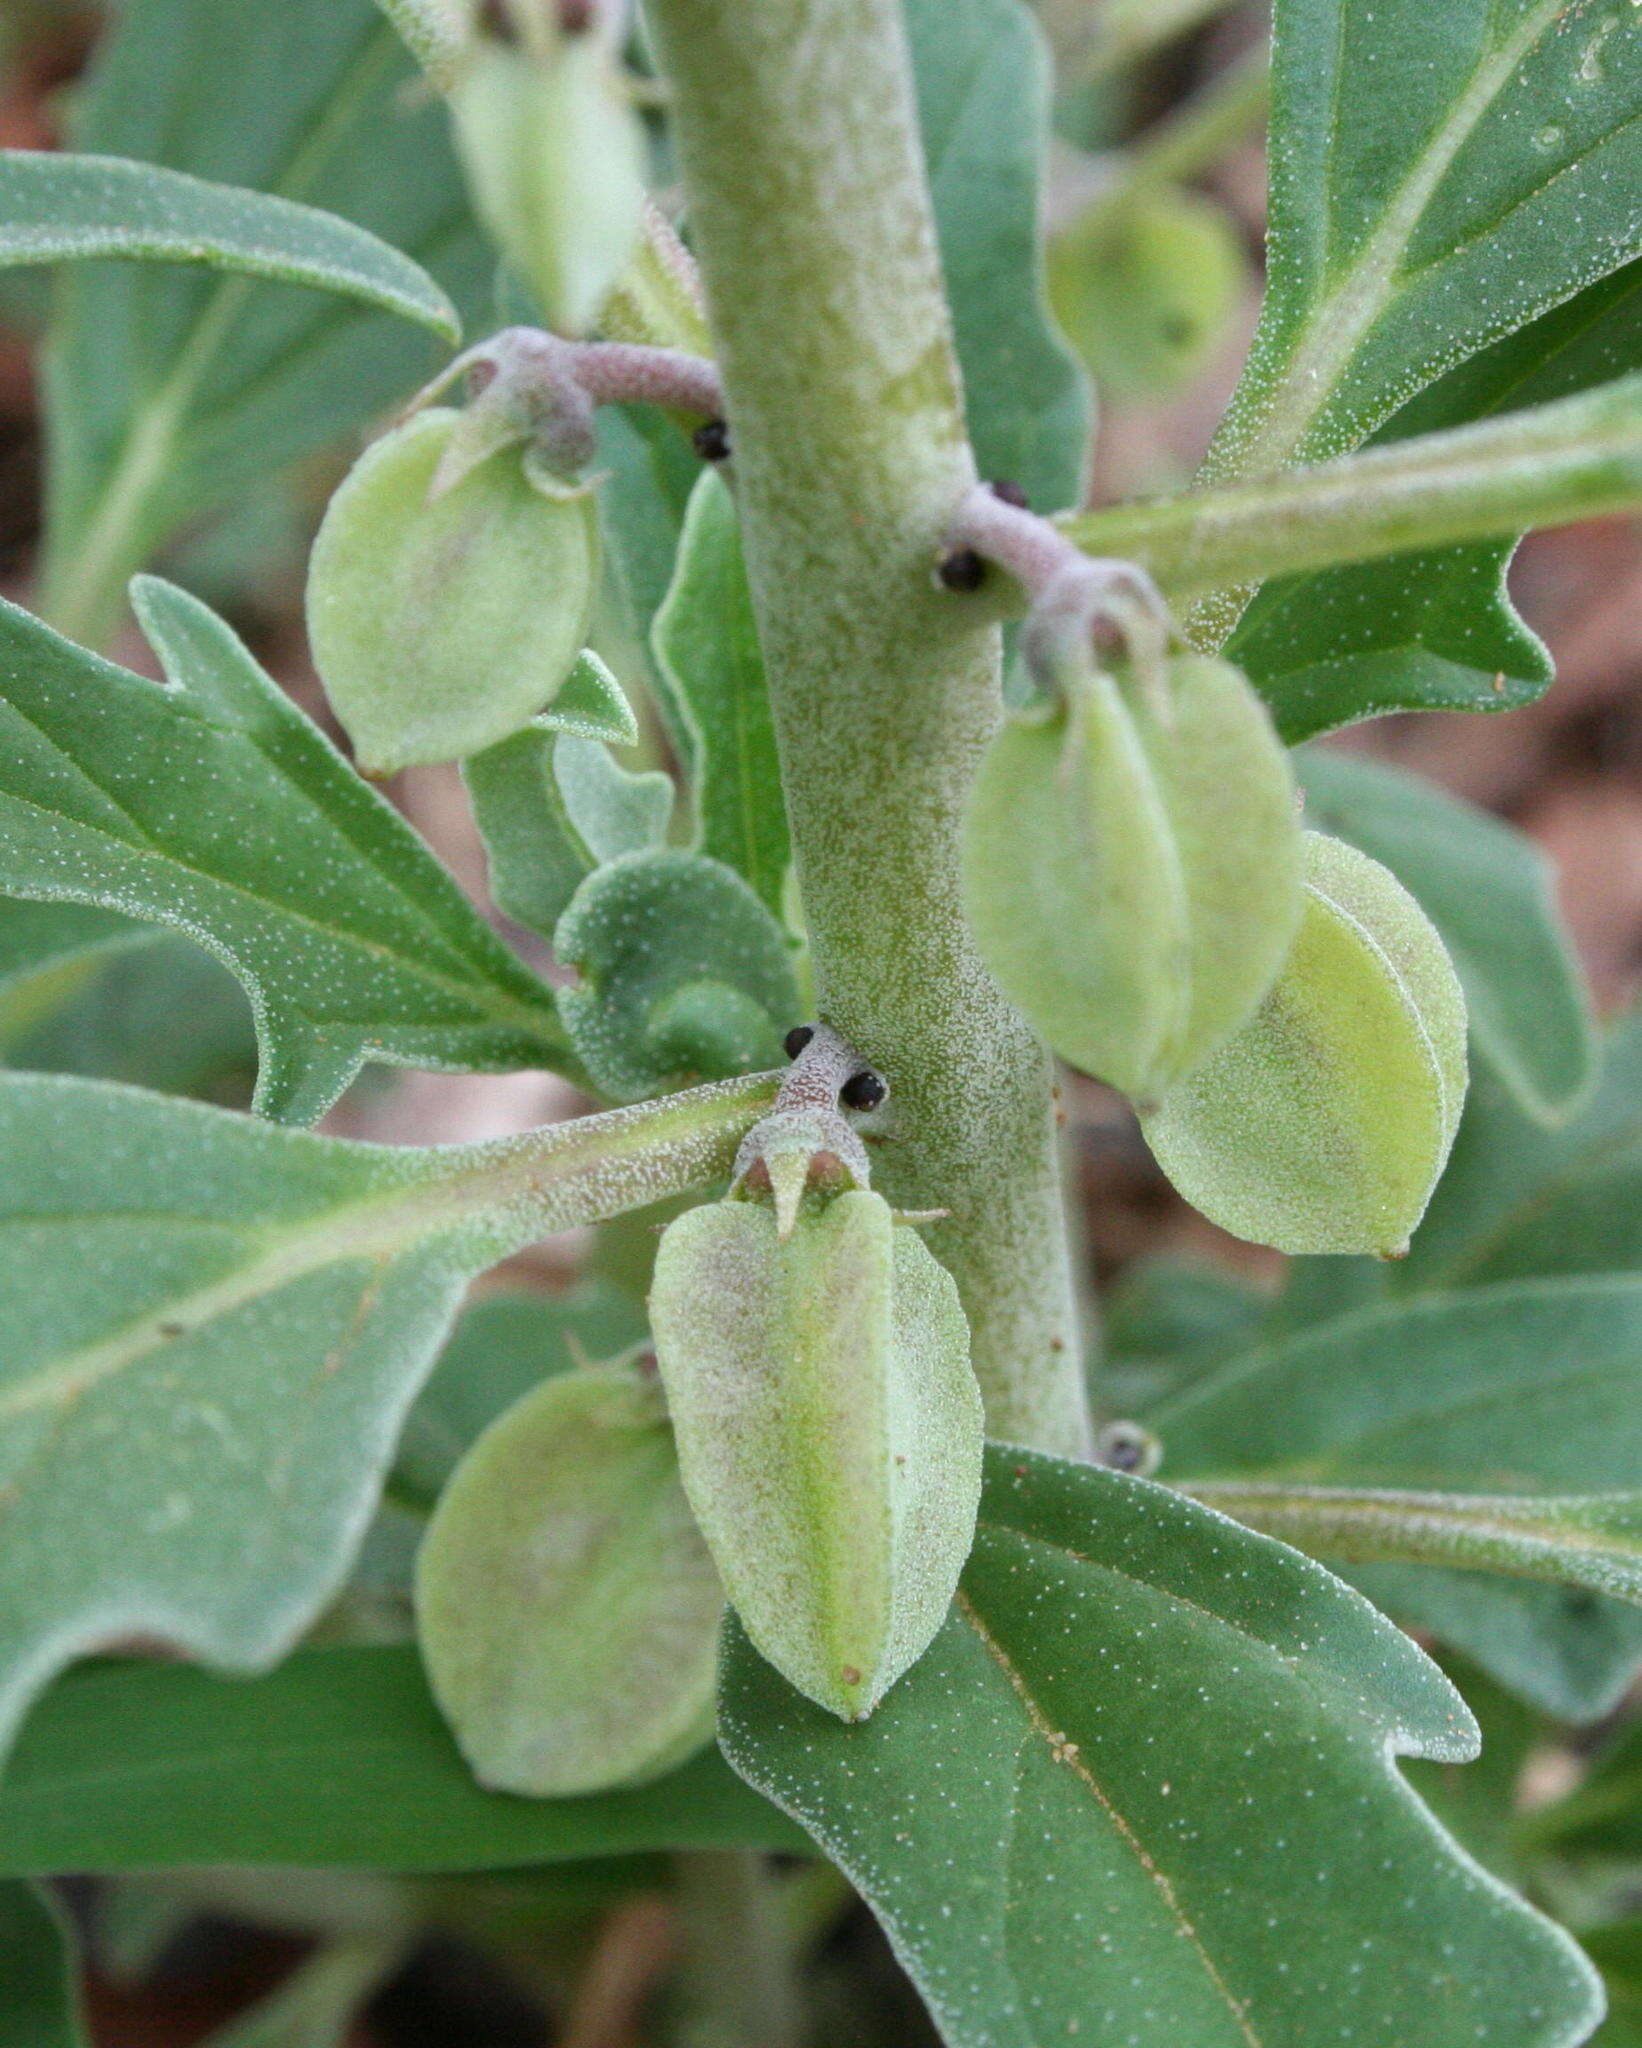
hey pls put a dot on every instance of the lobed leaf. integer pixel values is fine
(215, 1328)
(212, 804)
(1140, 1789)
(55, 205)
(336, 1760)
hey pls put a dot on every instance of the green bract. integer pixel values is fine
(554, 154)
(441, 623)
(567, 1607)
(829, 1431)
(1323, 1124)
(683, 973)
(1132, 868)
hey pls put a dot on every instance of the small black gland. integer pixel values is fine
(796, 1039)
(963, 569)
(864, 1090)
(1126, 1447)
(711, 441)
(1009, 493)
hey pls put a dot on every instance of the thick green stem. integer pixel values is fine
(1572, 459)
(809, 211)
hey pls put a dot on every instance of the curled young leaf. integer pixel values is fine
(443, 620)
(829, 1431)
(1323, 1124)
(567, 1607)
(1132, 867)
(682, 972)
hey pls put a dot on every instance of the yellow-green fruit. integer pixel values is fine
(1146, 287)
(829, 1431)
(567, 1607)
(1322, 1126)
(1132, 868)
(554, 153)
(442, 624)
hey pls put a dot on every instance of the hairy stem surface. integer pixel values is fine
(810, 214)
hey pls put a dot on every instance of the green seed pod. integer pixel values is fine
(554, 153)
(1146, 288)
(684, 975)
(1322, 1126)
(567, 1607)
(1132, 867)
(441, 622)
(829, 1431)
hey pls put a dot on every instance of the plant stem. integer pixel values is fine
(1572, 459)
(735, 1988)
(812, 222)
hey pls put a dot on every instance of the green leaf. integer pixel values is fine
(48, 953)
(172, 391)
(1592, 1540)
(1430, 630)
(1617, 1952)
(1135, 1706)
(1514, 1388)
(1167, 1320)
(114, 1018)
(215, 1327)
(212, 804)
(1602, 1816)
(1518, 1199)
(54, 206)
(338, 1759)
(981, 77)
(39, 2002)
(1439, 177)
(591, 704)
(682, 973)
(502, 1346)
(1489, 892)
(1477, 1802)
(551, 810)
(705, 642)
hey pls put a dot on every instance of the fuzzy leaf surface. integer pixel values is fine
(338, 1759)
(215, 1328)
(1140, 1790)
(54, 206)
(212, 804)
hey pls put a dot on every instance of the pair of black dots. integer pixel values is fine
(864, 1090)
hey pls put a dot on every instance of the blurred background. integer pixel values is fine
(1155, 214)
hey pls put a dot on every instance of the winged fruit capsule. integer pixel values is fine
(443, 617)
(1323, 1125)
(816, 1362)
(567, 1607)
(1132, 863)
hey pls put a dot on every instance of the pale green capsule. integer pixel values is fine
(567, 1607)
(554, 153)
(442, 624)
(1323, 1125)
(829, 1431)
(1132, 868)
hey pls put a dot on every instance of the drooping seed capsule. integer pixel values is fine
(567, 1607)
(554, 153)
(443, 621)
(1132, 868)
(1323, 1124)
(829, 1431)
